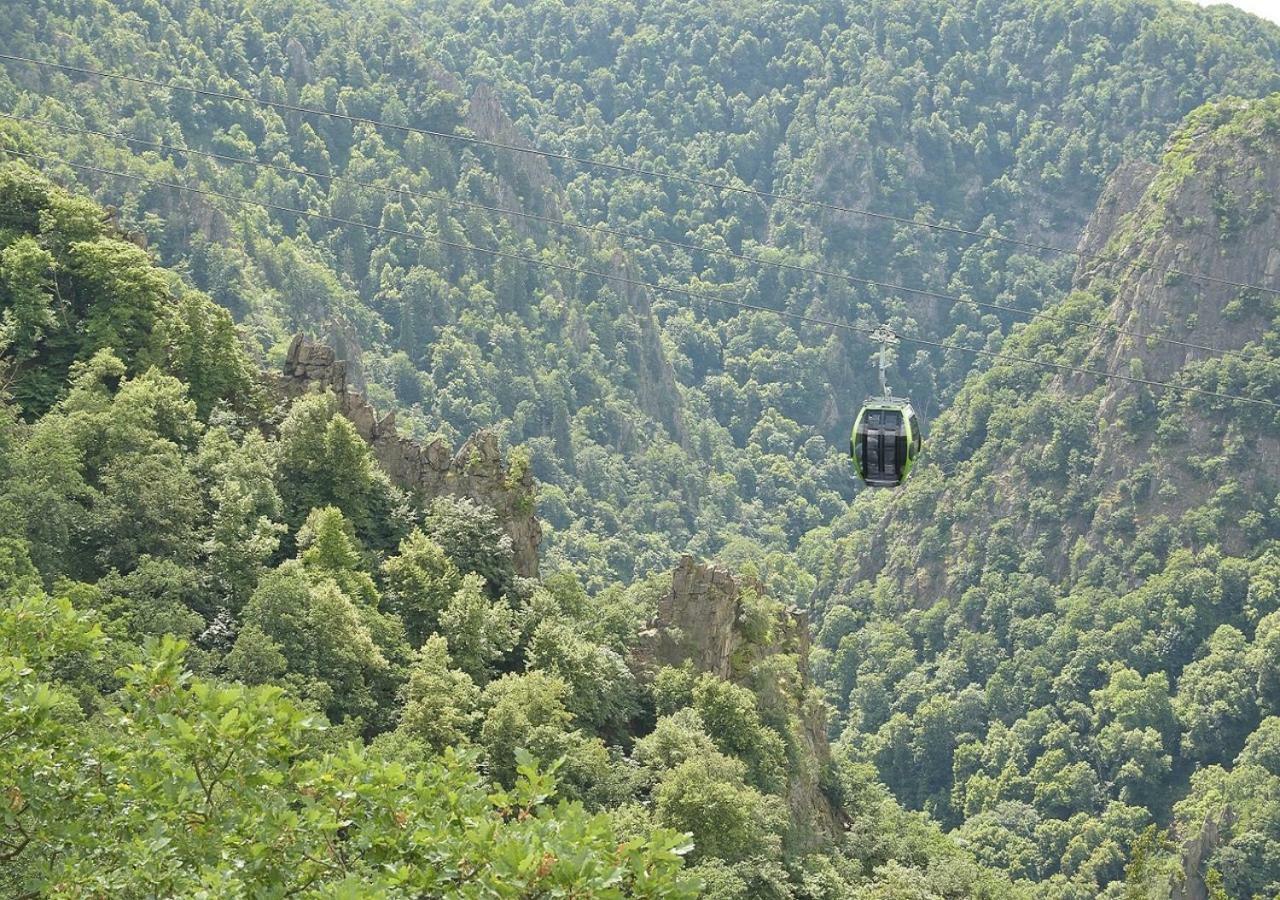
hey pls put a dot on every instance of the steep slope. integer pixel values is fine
(254, 642)
(1119, 455)
(1070, 609)
(985, 115)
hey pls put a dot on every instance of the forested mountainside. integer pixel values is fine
(656, 423)
(255, 643)
(1064, 629)
(340, 557)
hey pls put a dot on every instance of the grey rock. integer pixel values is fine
(699, 621)
(477, 471)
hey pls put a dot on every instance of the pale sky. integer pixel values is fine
(1267, 9)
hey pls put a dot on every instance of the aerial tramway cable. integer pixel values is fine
(622, 279)
(1101, 327)
(792, 199)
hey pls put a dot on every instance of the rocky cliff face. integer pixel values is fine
(525, 181)
(1195, 850)
(476, 471)
(1209, 209)
(1064, 470)
(700, 620)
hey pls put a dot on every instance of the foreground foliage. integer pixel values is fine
(178, 786)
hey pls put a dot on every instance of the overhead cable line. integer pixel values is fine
(793, 199)
(622, 279)
(1101, 327)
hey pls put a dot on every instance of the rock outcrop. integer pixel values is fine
(477, 470)
(657, 388)
(1195, 850)
(701, 621)
(526, 180)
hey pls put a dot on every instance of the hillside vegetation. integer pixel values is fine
(347, 561)
(236, 659)
(1070, 635)
(656, 423)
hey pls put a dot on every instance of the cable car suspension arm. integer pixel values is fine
(887, 338)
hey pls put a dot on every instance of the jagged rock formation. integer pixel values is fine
(1195, 850)
(1207, 209)
(696, 619)
(489, 121)
(700, 621)
(1204, 211)
(477, 471)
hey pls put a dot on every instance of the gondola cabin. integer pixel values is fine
(886, 441)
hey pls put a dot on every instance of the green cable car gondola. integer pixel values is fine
(886, 441)
(886, 437)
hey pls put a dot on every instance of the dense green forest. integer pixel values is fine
(241, 654)
(1071, 637)
(237, 660)
(656, 424)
